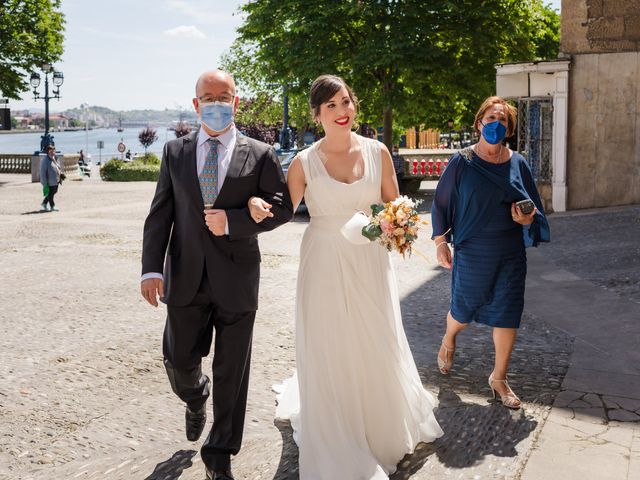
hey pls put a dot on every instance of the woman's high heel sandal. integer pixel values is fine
(510, 400)
(445, 365)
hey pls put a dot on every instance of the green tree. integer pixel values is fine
(263, 93)
(32, 33)
(418, 63)
(182, 129)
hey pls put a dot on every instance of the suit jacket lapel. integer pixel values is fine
(189, 167)
(238, 160)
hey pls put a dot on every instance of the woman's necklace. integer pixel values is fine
(490, 157)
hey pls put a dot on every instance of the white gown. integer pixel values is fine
(357, 404)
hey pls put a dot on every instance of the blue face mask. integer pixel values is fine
(217, 115)
(494, 132)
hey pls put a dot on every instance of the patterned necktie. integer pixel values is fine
(209, 175)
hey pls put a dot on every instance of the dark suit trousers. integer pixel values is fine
(187, 339)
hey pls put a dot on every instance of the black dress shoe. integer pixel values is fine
(222, 475)
(195, 422)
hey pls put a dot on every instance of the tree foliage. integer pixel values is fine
(32, 33)
(419, 62)
(182, 129)
(147, 137)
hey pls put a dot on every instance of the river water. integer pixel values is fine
(72, 142)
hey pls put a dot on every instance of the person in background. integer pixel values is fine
(50, 175)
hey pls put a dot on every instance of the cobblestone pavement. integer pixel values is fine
(83, 393)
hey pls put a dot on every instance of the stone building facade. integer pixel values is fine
(602, 38)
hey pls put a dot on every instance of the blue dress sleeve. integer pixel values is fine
(445, 198)
(539, 230)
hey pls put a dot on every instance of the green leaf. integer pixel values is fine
(376, 208)
(372, 231)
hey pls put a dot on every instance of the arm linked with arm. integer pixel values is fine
(272, 188)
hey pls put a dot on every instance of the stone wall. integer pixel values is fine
(600, 26)
(603, 155)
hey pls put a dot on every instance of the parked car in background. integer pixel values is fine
(286, 157)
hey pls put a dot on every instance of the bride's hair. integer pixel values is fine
(324, 88)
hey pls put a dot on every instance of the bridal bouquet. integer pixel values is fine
(394, 224)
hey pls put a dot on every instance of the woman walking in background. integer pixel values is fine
(50, 175)
(475, 210)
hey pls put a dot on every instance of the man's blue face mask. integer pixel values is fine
(494, 132)
(216, 115)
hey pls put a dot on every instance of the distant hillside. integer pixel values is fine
(112, 117)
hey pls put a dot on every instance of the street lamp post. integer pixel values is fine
(285, 139)
(58, 80)
(450, 125)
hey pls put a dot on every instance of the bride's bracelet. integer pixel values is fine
(441, 243)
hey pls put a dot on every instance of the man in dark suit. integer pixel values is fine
(199, 219)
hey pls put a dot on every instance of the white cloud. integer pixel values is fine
(186, 31)
(205, 11)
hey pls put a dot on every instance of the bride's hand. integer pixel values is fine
(259, 209)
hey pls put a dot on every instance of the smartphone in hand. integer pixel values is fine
(526, 206)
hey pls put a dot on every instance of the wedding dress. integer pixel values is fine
(356, 403)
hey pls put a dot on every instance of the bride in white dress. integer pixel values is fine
(356, 404)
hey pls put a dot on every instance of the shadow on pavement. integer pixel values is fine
(36, 212)
(288, 466)
(172, 469)
(489, 430)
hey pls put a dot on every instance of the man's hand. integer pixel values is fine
(150, 289)
(216, 220)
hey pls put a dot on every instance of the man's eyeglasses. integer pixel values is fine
(211, 99)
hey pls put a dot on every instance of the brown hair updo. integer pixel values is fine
(324, 88)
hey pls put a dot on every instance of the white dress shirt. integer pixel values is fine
(225, 151)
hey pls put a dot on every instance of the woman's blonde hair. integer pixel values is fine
(510, 111)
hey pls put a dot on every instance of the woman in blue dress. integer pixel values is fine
(475, 211)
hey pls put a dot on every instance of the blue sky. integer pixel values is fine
(137, 54)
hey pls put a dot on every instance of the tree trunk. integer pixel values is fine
(387, 126)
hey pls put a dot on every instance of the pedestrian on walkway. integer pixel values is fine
(475, 210)
(50, 177)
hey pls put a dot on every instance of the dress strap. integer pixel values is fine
(309, 160)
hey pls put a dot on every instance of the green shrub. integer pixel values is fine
(108, 169)
(115, 170)
(147, 159)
